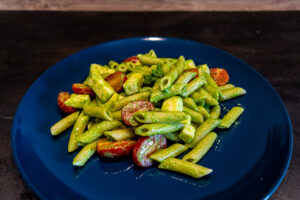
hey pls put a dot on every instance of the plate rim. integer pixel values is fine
(27, 180)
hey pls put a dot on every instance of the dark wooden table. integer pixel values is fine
(31, 42)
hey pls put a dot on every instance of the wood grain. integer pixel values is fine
(31, 42)
(150, 5)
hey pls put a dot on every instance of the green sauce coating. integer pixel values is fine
(97, 130)
(230, 117)
(150, 117)
(231, 93)
(78, 129)
(206, 127)
(201, 149)
(184, 167)
(170, 152)
(64, 123)
(173, 74)
(155, 129)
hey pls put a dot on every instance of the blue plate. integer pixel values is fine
(249, 160)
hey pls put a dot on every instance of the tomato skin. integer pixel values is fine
(145, 146)
(116, 80)
(62, 97)
(133, 59)
(132, 107)
(220, 76)
(115, 149)
(193, 70)
(79, 88)
(103, 142)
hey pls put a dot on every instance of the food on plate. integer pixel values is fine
(151, 109)
(64, 123)
(116, 149)
(184, 167)
(132, 107)
(219, 75)
(61, 99)
(79, 88)
(201, 148)
(145, 146)
(116, 80)
(170, 152)
(231, 117)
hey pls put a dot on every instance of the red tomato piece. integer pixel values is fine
(79, 88)
(133, 59)
(145, 146)
(115, 149)
(193, 70)
(220, 76)
(62, 97)
(116, 80)
(102, 142)
(132, 107)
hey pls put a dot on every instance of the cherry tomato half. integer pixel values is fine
(220, 76)
(133, 59)
(116, 80)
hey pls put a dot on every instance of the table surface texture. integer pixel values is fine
(150, 5)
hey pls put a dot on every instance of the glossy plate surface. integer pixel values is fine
(249, 160)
